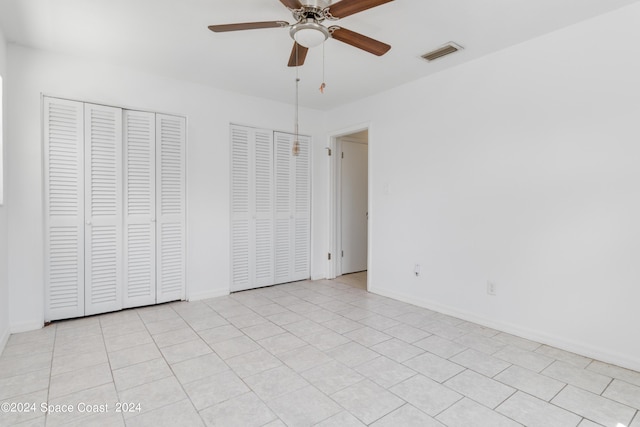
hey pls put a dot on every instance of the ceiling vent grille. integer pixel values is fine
(445, 50)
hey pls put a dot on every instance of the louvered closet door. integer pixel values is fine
(64, 208)
(252, 262)
(139, 208)
(241, 268)
(170, 207)
(301, 207)
(284, 243)
(103, 209)
(292, 200)
(263, 208)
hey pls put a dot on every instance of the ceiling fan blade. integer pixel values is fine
(247, 26)
(297, 58)
(345, 8)
(292, 4)
(358, 40)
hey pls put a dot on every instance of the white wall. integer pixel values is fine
(4, 286)
(521, 168)
(208, 112)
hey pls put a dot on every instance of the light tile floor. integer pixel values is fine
(323, 353)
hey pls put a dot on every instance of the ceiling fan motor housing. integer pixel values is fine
(318, 4)
(316, 10)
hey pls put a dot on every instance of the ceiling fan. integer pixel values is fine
(308, 30)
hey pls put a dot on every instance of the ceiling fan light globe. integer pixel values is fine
(309, 34)
(308, 37)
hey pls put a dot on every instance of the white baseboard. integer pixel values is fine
(4, 338)
(17, 328)
(567, 344)
(215, 293)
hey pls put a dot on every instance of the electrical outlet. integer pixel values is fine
(417, 270)
(491, 288)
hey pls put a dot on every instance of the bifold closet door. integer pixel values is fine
(283, 200)
(241, 264)
(154, 250)
(64, 208)
(170, 208)
(103, 208)
(115, 205)
(252, 227)
(302, 211)
(263, 207)
(292, 209)
(139, 208)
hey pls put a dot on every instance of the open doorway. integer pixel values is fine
(350, 230)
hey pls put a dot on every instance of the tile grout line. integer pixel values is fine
(359, 305)
(53, 355)
(113, 380)
(283, 364)
(118, 392)
(607, 387)
(302, 372)
(173, 372)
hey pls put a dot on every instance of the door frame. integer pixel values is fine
(334, 264)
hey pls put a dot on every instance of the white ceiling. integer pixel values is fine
(170, 37)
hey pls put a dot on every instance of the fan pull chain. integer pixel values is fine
(323, 85)
(297, 93)
(295, 150)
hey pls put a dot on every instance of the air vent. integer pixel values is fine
(445, 50)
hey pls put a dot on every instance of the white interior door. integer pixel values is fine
(139, 208)
(103, 208)
(354, 206)
(170, 207)
(64, 208)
